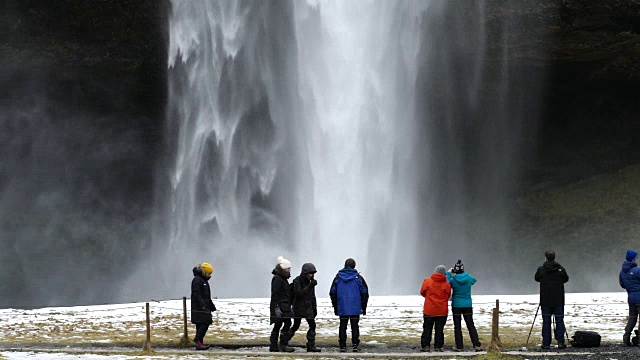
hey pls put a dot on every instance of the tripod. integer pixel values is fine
(533, 323)
(553, 324)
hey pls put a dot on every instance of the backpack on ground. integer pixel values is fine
(585, 339)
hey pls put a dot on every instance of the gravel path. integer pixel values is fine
(604, 352)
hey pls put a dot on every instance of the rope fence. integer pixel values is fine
(266, 304)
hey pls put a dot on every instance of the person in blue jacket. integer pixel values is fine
(630, 281)
(349, 296)
(461, 305)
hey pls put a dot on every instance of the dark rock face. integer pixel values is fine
(576, 195)
(83, 83)
(600, 39)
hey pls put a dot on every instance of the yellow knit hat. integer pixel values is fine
(207, 267)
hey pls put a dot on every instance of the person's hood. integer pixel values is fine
(196, 272)
(628, 265)
(438, 277)
(347, 274)
(278, 271)
(551, 265)
(308, 268)
(461, 278)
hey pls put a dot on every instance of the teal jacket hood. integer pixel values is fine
(461, 288)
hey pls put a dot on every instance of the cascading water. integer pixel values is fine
(358, 64)
(231, 114)
(326, 130)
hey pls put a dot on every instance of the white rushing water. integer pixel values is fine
(358, 64)
(320, 130)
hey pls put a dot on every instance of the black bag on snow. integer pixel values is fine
(585, 339)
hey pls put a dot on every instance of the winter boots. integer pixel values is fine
(284, 344)
(200, 345)
(311, 347)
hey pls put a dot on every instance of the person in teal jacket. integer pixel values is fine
(461, 305)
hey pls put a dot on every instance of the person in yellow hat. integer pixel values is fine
(201, 304)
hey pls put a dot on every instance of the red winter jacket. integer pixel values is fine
(436, 291)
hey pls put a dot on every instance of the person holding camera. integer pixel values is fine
(201, 304)
(280, 306)
(349, 296)
(461, 305)
(630, 281)
(436, 292)
(305, 305)
(552, 277)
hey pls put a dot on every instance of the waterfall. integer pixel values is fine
(322, 130)
(358, 64)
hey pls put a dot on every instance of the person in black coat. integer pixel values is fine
(280, 306)
(201, 304)
(305, 305)
(552, 277)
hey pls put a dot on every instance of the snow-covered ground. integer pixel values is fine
(390, 320)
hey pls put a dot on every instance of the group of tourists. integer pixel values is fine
(349, 295)
(552, 276)
(442, 286)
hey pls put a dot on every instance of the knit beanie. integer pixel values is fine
(207, 267)
(458, 268)
(441, 269)
(284, 263)
(631, 255)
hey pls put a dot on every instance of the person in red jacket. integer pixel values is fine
(436, 291)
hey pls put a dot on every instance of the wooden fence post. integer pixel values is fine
(498, 341)
(147, 344)
(185, 337)
(495, 344)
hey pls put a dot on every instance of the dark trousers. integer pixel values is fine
(285, 324)
(355, 330)
(201, 331)
(634, 310)
(427, 328)
(467, 314)
(558, 313)
(311, 333)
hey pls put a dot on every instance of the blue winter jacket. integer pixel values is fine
(349, 293)
(630, 280)
(461, 286)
